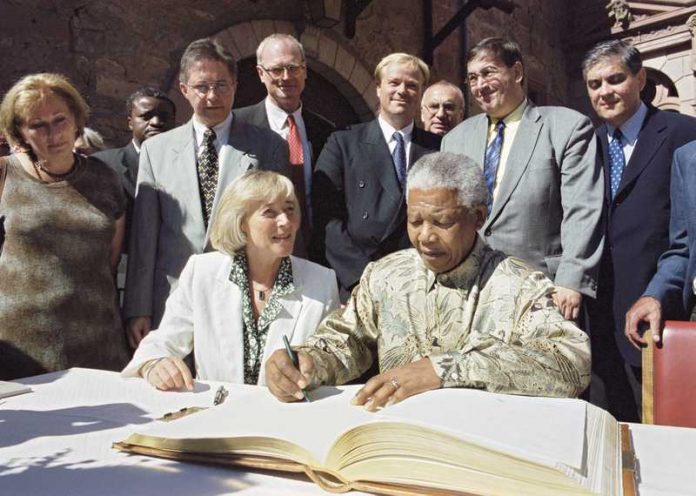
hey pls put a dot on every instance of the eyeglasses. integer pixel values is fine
(219, 87)
(434, 107)
(279, 71)
(486, 74)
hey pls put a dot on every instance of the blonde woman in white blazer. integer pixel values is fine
(233, 306)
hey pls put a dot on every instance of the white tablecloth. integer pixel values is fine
(57, 440)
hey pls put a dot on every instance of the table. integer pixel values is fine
(57, 440)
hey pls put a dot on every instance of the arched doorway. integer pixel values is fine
(319, 96)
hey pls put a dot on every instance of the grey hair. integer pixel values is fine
(445, 84)
(445, 170)
(93, 139)
(627, 54)
(278, 37)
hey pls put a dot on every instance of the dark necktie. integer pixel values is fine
(297, 166)
(208, 173)
(399, 157)
(492, 160)
(617, 162)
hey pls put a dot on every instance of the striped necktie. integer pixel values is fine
(492, 160)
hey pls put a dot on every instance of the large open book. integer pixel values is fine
(440, 442)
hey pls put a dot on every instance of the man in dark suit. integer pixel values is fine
(670, 294)
(358, 192)
(150, 112)
(280, 60)
(637, 143)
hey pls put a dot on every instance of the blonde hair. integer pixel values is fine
(240, 199)
(28, 93)
(402, 59)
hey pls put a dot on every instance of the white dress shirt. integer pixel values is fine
(222, 135)
(630, 131)
(388, 131)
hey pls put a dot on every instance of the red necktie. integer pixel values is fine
(297, 166)
(295, 143)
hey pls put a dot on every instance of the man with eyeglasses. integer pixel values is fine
(442, 107)
(360, 175)
(544, 180)
(182, 174)
(282, 69)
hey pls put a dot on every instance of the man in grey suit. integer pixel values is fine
(181, 175)
(541, 168)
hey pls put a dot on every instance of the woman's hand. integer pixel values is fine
(167, 373)
(398, 384)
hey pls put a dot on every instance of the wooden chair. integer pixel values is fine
(669, 377)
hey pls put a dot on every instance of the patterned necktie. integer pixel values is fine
(297, 164)
(208, 173)
(399, 157)
(492, 159)
(617, 161)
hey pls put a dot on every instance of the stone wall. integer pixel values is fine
(110, 47)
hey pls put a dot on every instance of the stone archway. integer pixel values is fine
(660, 91)
(339, 85)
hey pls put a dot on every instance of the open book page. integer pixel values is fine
(544, 430)
(8, 389)
(254, 412)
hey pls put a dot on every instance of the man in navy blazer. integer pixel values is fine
(670, 294)
(358, 192)
(637, 206)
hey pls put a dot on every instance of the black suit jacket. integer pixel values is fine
(318, 128)
(358, 203)
(125, 162)
(638, 217)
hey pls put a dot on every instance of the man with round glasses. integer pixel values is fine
(282, 69)
(181, 175)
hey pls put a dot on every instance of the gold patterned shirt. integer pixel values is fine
(489, 323)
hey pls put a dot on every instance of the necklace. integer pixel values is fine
(41, 165)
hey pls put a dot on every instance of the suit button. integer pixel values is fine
(487, 232)
(364, 215)
(361, 184)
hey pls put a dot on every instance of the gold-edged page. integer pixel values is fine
(253, 421)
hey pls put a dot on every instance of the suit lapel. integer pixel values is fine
(518, 159)
(479, 140)
(650, 139)
(130, 161)
(185, 175)
(380, 160)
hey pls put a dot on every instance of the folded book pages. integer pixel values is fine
(449, 441)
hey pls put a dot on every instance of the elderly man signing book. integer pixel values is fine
(450, 313)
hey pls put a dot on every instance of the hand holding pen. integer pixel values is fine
(289, 373)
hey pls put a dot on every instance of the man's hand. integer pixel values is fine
(568, 302)
(646, 309)
(398, 384)
(284, 380)
(137, 329)
(168, 373)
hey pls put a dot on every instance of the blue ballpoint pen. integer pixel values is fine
(295, 362)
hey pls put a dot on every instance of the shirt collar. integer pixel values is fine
(222, 130)
(239, 270)
(388, 130)
(514, 116)
(463, 275)
(631, 128)
(137, 148)
(277, 117)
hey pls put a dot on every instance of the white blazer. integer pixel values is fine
(204, 313)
